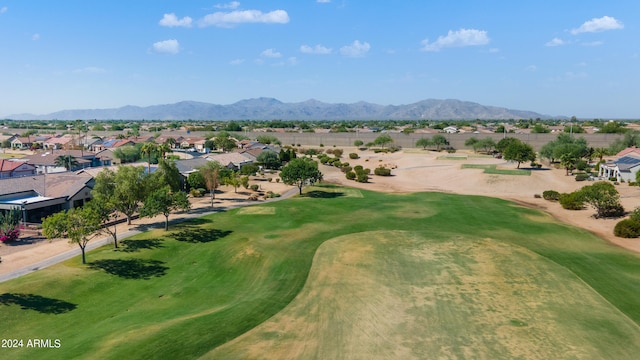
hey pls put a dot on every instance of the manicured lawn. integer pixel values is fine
(492, 169)
(434, 274)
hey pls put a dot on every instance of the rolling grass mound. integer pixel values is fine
(386, 276)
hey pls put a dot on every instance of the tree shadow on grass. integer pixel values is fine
(131, 268)
(137, 245)
(323, 194)
(199, 235)
(38, 303)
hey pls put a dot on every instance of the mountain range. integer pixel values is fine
(273, 109)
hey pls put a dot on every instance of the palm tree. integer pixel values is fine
(163, 149)
(148, 149)
(600, 153)
(66, 161)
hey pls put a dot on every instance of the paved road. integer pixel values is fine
(107, 240)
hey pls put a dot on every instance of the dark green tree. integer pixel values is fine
(299, 172)
(164, 201)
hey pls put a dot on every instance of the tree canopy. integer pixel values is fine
(299, 172)
(78, 224)
(519, 152)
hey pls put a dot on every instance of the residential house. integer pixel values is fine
(12, 169)
(623, 168)
(45, 162)
(22, 143)
(39, 196)
(451, 130)
(231, 160)
(57, 142)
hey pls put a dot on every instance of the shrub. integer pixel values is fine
(350, 175)
(382, 171)
(311, 152)
(571, 201)
(254, 187)
(627, 228)
(337, 152)
(537, 196)
(550, 195)
(329, 151)
(362, 177)
(581, 165)
(195, 193)
(353, 156)
(358, 168)
(582, 176)
(611, 211)
(346, 169)
(202, 191)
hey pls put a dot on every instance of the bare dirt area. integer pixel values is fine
(418, 170)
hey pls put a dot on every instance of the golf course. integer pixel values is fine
(338, 273)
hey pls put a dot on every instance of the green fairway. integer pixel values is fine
(492, 169)
(339, 273)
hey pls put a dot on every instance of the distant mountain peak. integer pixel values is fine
(265, 108)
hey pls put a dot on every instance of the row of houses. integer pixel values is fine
(31, 186)
(623, 167)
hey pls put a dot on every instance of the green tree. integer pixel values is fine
(383, 140)
(130, 190)
(103, 202)
(66, 161)
(504, 143)
(166, 174)
(224, 142)
(78, 224)
(212, 172)
(358, 143)
(424, 143)
(568, 161)
(127, 154)
(439, 141)
(196, 180)
(233, 179)
(267, 139)
(299, 172)
(604, 197)
(269, 159)
(519, 152)
(164, 201)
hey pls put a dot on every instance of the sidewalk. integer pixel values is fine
(199, 209)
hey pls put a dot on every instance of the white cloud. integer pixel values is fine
(3, 9)
(323, 1)
(35, 37)
(236, 62)
(171, 46)
(318, 49)
(460, 38)
(90, 70)
(598, 25)
(171, 20)
(270, 53)
(230, 19)
(232, 5)
(356, 49)
(593, 43)
(555, 42)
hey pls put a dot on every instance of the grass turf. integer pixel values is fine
(183, 293)
(492, 169)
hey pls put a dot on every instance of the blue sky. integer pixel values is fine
(566, 57)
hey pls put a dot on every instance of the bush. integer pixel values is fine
(582, 176)
(550, 195)
(537, 196)
(337, 152)
(346, 169)
(627, 228)
(254, 187)
(329, 151)
(358, 168)
(571, 201)
(195, 193)
(353, 156)
(362, 177)
(382, 171)
(581, 165)
(612, 211)
(350, 175)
